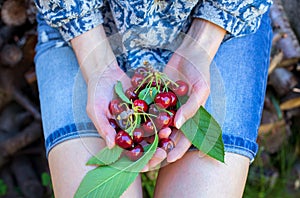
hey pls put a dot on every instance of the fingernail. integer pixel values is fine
(179, 122)
(109, 142)
(161, 154)
(171, 159)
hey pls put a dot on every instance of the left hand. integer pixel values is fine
(190, 62)
(197, 77)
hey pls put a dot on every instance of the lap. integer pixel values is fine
(197, 175)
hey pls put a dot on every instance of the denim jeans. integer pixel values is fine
(238, 83)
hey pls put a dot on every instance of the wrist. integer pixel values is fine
(206, 35)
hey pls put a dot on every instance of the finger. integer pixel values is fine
(106, 131)
(180, 149)
(157, 158)
(164, 133)
(145, 169)
(197, 98)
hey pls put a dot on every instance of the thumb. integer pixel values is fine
(103, 127)
(189, 109)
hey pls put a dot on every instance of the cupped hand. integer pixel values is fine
(100, 93)
(189, 63)
(101, 72)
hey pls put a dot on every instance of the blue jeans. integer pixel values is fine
(238, 83)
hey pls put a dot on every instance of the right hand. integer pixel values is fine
(100, 93)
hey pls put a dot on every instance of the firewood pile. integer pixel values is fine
(22, 153)
(282, 102)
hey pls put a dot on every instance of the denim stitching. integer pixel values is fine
(71, 130)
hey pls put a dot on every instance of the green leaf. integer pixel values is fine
(3, 188)
(120, 92)
(181, 100)
(106, 156)
(205, 134)
(148, 94)
(113, 180)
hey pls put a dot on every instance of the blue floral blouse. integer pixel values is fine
(150, 26)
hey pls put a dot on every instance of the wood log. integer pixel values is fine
(10, 146)
(11, 81)
(31, 11)
(290, 101)
(292, 113)
(293, 13)
(11, 119)
(282, 80)
(272, 135)
(14, 13)
(10, 55)
(26, 177)
(28, 50)
(289, 44)
(5, 98)
(275, 61)
(7, 33)
(26, 103)
(277, 36)
(30, 76)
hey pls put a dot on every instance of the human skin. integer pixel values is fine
(193, 174)
(97, 63)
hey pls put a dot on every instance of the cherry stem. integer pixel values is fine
(141, 84)
(165, 110)
(148, 88)
(146, 114)
(126, 105)
(133, 125)
(168, 79)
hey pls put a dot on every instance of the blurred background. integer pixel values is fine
(23, 166)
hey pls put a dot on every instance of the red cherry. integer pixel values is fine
(163, 100)
(148, 128)
(162, 120)
(172, 116)
(135, 153)
(131, 93)
(115, 107)
(141, 104)
(182, 88)
(154, 83)
(114, 124)
(150, 139)
(142, 70)
(153, 109)
(166, 143)
(123, 123)
(138, 135)
(173, 98)
(137, 79)
(123, 140)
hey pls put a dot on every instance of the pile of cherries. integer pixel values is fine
(154, 101)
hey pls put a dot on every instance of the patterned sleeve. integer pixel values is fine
(71, 17)
(237, 17)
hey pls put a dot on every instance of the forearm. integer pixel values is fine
(93, 52)
(207, 35)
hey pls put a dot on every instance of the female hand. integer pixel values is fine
(190, 62)
(101, 72)
(100, 93)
